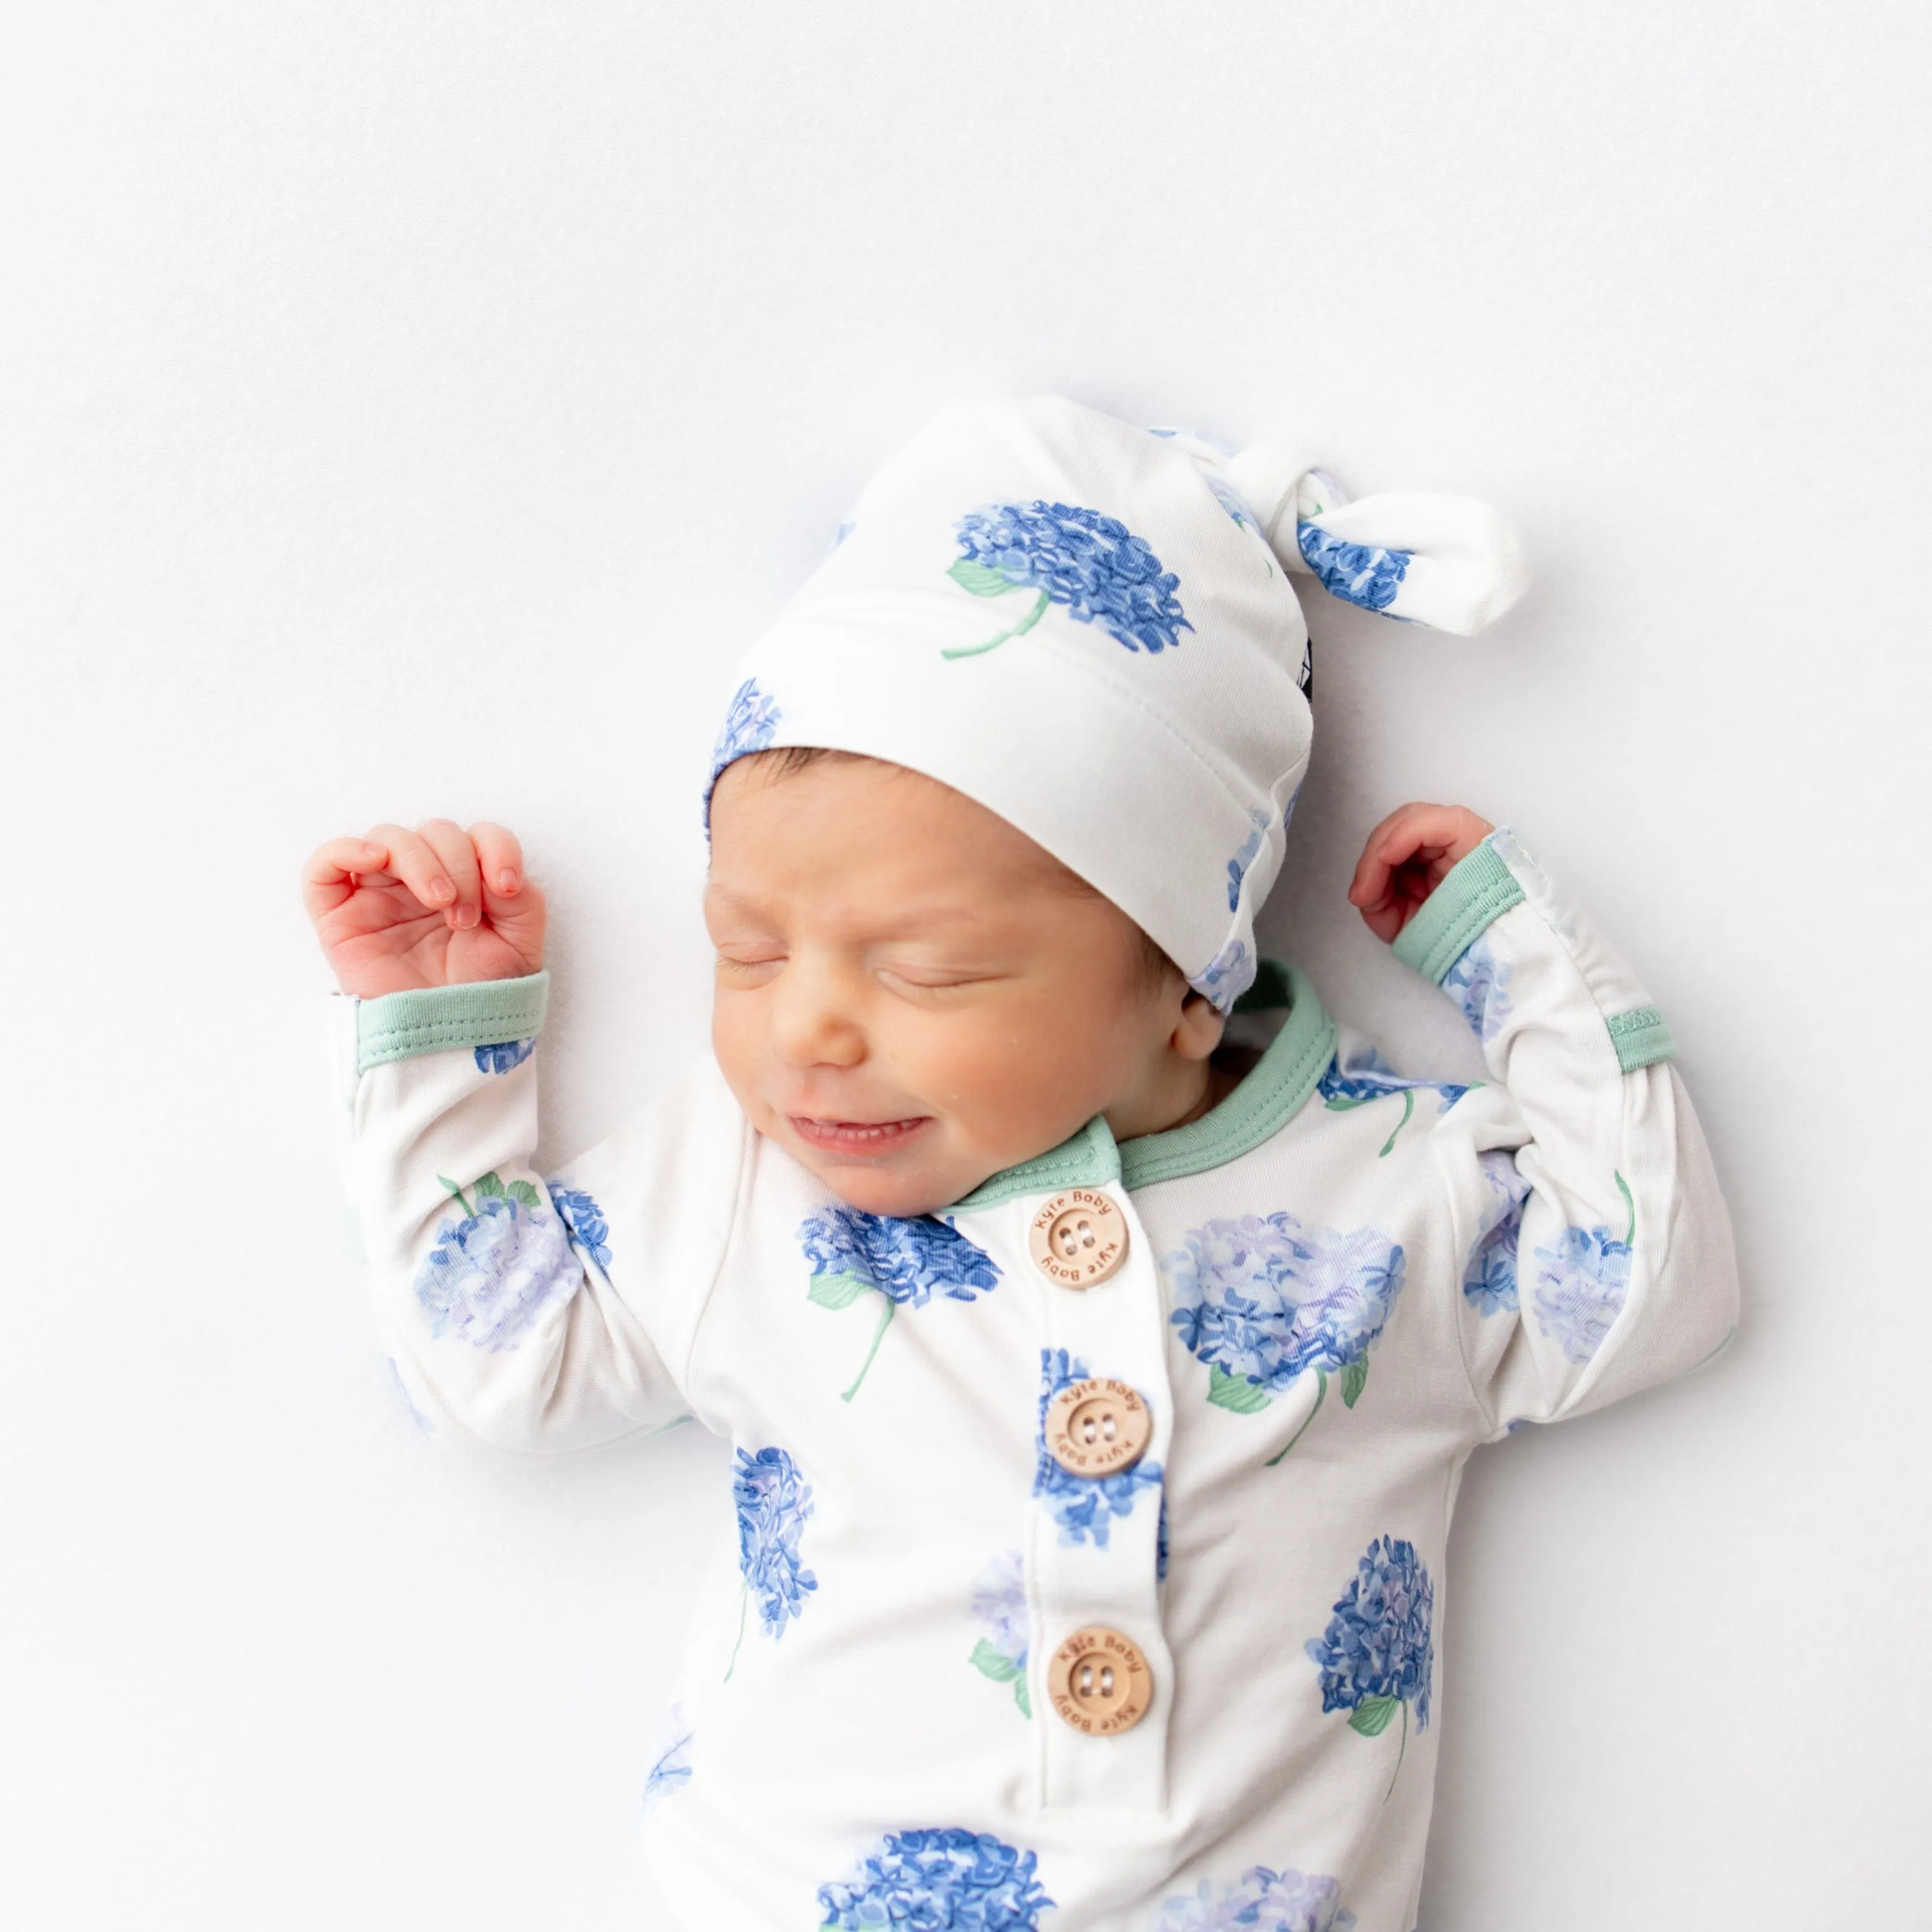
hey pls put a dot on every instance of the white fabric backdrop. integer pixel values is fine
(412, 409)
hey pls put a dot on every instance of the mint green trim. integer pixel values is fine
(1264, 1103)
(1272, 1093)
(1480, 889)
(436, 1019)
(1641, 1038)
(1089, 1159)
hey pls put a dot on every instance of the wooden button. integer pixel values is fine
(1078, 1238)
(1095, 1428)
(1099, 1682)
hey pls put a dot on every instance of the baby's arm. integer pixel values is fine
(500, 1297)
(1598, 1252)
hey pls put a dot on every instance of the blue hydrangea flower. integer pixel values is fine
(1366, 1076)
(585, 1219)
(1378, 1655)
(907, 1261)
(1488, 1281)
(1083, 1506)
(998, 1604)
(1362, 573)
(672, 1772)
(504, 1054)
(1580, 1289)
(939, 1881)
(1258, 822)
(1479, 983)
(490, 1274)
(1262, 1299)
(1092, 565)
(1264, 1901)
(1230, 499)
(1228, 975)
(750, 725)
(774, 1501)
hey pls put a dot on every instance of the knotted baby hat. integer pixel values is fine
(1088, 627)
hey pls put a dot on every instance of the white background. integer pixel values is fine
(413, 409)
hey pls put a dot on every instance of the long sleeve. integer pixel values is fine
(526, 1314)
(1598, 1251)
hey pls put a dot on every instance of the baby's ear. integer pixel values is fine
(1453, 563)
(1201, 1028)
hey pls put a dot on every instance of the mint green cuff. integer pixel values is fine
(1479, 890)
(1641, 1038)
(437, 1019)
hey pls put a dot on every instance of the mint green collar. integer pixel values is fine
(1259, 1108)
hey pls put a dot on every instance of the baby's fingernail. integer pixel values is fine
(506, 881)
(371, 852)
(466, 916)
(441, 889)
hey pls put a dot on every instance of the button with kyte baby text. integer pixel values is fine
(1095, 1428)
(1099, 1682)
(1078, 1238)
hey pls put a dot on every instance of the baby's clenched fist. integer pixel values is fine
(436, 907)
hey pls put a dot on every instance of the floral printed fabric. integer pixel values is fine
(1361, 573)
(1379, 1648)
(1264, 1901)
(1489, 1281)
(1083, 1506)
(1237, 866)
(998, 1604)
(750, 725)
(939, 1881)
(1479, 983)
(585, 1219)
(1580, 1289)
(1092, 565)
(672, 1771)
(1262, 1299)
(907, 1261)
(490, 1274)
(1368, 1076)
(773, 1503)
(1229, 974)
(504, 1055)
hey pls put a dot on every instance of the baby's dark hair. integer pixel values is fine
(1153, 967)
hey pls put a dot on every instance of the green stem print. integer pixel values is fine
(976, 578)
(744, 1604)
(1321, 1396)
(1408, 1109)
(1401, 1747)
(878, 1336)
(1623, 1187)
(457, 1192)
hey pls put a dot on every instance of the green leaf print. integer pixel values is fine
(1354, 1379)
(487, 1185)
(991, 1661)
(1373, 1715)
(980, 579)
(836, 1291)
(522, 1190)
(1236, 1392)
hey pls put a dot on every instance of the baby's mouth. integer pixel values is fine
(857, 1137)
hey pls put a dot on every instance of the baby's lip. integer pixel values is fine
(860, 1137)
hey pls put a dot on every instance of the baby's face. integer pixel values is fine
(911, 994)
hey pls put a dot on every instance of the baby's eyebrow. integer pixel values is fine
(904, 919)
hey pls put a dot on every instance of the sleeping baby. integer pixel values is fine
(1099, 1331)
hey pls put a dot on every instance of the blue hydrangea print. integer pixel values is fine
(1580, 1289)
(1084, 1506)
(585, 1219)
(1378, 1655)
(774, 1501)
(1230, 499)
(421, 1421)
(939, 1881)
(1365, 1076)
(998, 1604)
(1092, 565)
(1229, 974)
(504, 1054)
(1264, 1901)
(490, 1275)
(750, 725)
(1263, 1300)
(1362, 573)
(1479, 983)
(1258, 822)
(1489, 1281)
(672, 1772)
(909, 1261)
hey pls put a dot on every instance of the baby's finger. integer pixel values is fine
(330, 872)
(450, 843)
(1396, 839)
(413, 861)
(499, 859)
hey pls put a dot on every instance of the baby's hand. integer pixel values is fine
(1407, 857)
(436, 907)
